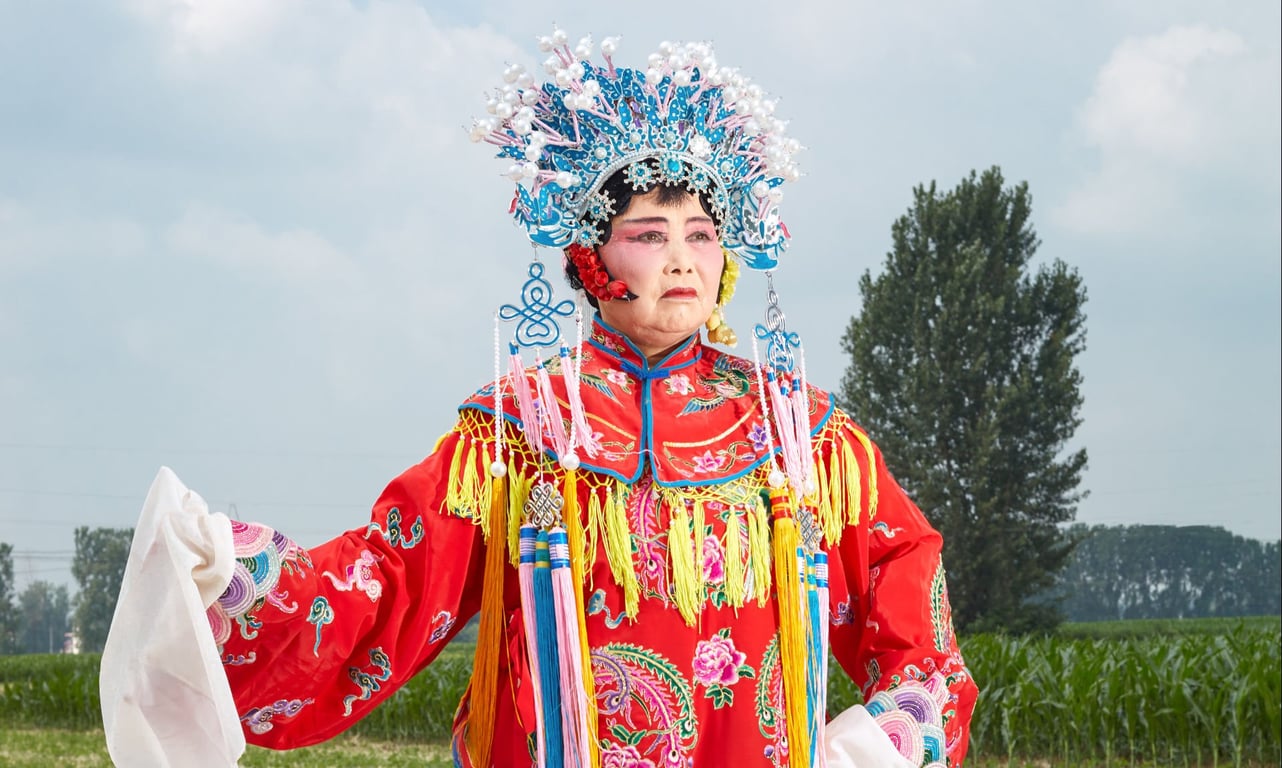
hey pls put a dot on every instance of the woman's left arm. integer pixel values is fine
(892, 623)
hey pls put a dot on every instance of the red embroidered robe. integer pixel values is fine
(682, 456)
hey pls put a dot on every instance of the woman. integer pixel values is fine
(664, 558)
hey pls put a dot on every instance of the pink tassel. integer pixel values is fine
(525, 400)
(581, 433)
(526, 573)
(551, 412)
(573, 696)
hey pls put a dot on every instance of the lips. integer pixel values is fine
(681, 293)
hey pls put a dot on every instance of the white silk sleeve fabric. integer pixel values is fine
(853, 739)
(165, 697)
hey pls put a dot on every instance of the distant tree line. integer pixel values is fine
(1168, 572)
(38, 619)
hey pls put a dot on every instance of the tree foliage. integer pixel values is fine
(8, 614)
(1169, 572)
(99, 568)
(962, 367)
(45, 613)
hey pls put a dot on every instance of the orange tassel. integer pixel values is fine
(485, 664)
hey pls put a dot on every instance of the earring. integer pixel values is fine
(718, 331)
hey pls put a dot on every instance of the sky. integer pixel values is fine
(252, 241)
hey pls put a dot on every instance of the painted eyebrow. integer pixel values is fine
(664, 220)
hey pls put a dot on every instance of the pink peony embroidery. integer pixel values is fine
(714, 561)
(707, 462)
(678, 384)
(717, 661)
(624, 756)
(616, 377)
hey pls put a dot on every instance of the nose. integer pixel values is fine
(680, 257)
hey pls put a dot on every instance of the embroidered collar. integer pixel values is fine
(692, 419)
(611, 343)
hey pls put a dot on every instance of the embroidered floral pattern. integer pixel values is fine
(393, 534)
(678, 384)
(262, 555)
(259, 719)
(624, 756)
(320, 615)
(647, 702)
(359, 576)
(718, 665)
(442, 623)
(769, 705)
(368, 682)
(710, 462)
(714, 561)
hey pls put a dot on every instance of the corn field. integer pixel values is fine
(1193, 699)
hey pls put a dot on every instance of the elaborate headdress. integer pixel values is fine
(683, 120)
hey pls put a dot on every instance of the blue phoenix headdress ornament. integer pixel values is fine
(683, 120)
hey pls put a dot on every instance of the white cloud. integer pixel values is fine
(1169, 114)
(1144, 99)
(235, 241)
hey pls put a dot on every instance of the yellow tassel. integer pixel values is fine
(734, 560)
(696, 541)
(830, 518)
(685, 582)
(475, 494)
(574, 536)
(759, 551)
(485, 662)
(618, 548)
(872, 472)
(792, 630)
(518, 491)
(454, 486)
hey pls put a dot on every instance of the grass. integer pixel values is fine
(32, 748)
(1137, 693)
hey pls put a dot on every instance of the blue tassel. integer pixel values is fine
(814, 692)
(549, 665)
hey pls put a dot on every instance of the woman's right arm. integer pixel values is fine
(336, 629)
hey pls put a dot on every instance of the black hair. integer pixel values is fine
(621, 192)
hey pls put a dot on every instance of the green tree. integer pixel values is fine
(45, 611)
(8, 614)
(98, 567)
(962, 367)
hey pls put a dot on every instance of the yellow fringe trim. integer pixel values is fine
(759, 550)
(610, 517)
(792, 627)
(685, 581)
(734, 563)
(872, 472)
(485, 662)
(518, 492)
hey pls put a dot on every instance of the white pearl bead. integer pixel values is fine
(559, 36)
(530, 170)
(498, 469)
(776, 479)
(609, 45)
(570, 460)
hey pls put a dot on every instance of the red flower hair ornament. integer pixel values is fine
(596, 280)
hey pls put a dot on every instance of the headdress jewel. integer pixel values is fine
(684, 120)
